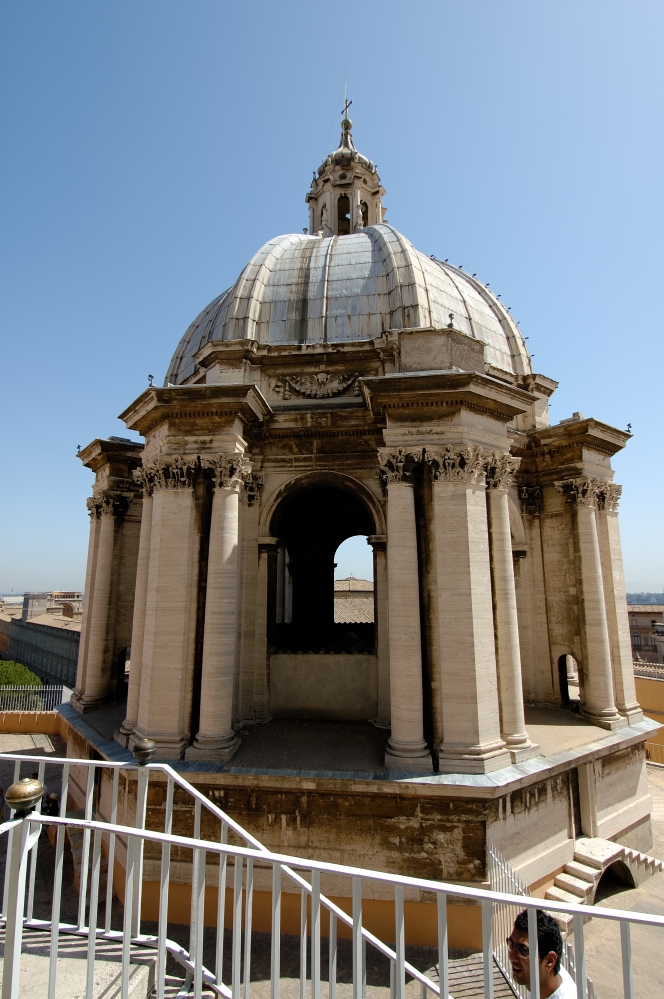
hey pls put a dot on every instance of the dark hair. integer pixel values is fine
(548, 934)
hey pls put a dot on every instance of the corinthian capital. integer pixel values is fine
(397, 466)
(109, 504)
(609, 497)
(144, 479)
(581, 492)
(500, 469)
(171, 472)
(228, 471)
(455, 464)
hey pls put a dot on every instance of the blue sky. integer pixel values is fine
(150, 147)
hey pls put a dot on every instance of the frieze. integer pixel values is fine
(109, 504)
(397, 466)
(454, 464)
(319, 386)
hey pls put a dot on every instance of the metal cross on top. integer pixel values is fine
(347, 104)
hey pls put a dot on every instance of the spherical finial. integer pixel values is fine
(143, 751)
(24, 795)
(346, 124)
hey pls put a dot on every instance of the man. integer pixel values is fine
(554, 981)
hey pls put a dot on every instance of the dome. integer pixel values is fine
(344, 289)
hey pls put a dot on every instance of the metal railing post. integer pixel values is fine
(17, 863)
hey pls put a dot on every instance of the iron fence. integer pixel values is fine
(235, 867)
(30, 698)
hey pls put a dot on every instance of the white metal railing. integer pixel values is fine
(94, 922)
(503, 879)
(30, 698)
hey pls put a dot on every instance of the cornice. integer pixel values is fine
(100, 453)
(219, 403)
(444, 390)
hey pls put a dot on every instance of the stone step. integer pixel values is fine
(559, 895)
(575, 886)
(583, 872)
(597, 852)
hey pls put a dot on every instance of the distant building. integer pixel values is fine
(43, 632)
(353, 601)
(643, 621)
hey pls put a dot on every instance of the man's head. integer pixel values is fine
(549, 948)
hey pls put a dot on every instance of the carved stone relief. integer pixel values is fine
(531, 499)
(500, 470)
(228, 471)
(454, 464)
(319, 386)
(397, 466)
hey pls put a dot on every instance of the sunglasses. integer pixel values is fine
(521, 949)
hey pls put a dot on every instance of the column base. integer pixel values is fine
(519, 754)
(633, 714)
(611, 722)
(220, 754)
(83, 704)
(167, 749)
(410, 764)
(473, 759)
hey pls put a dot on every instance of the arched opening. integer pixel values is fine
(322, 664)
(568, 679)
(616, 878)
(364, 208)
(343, 215)
(311, 525)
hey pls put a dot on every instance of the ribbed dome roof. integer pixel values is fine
(305, 289)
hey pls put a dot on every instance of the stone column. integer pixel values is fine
(598, 701)
(170, 611)
(108, 508)
(216, 739)
(500, 469)
(616, 603)
(87, 599)
(471, 722)
(140, 600)
(265, 615)
(379, 546)
(406, 749)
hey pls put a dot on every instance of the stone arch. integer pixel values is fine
(309, 480)
(615, 878)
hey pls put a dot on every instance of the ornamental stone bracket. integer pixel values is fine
(319, 386)
(591, 492)
(108, 503)
(531, 500)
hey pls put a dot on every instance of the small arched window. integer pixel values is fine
(343, 215)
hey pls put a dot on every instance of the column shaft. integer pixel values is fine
(216, 738)
(471, 721)
(506, 627)
(88, 601)
(170, 622)
(98, 667)
(407, 749)
(598, 704)
(381, 611)
(138, 627)
(616, 607)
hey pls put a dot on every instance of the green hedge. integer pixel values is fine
(17, 675)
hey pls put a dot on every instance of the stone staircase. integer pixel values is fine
(592, 856)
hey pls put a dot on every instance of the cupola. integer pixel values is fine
(346, 193)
